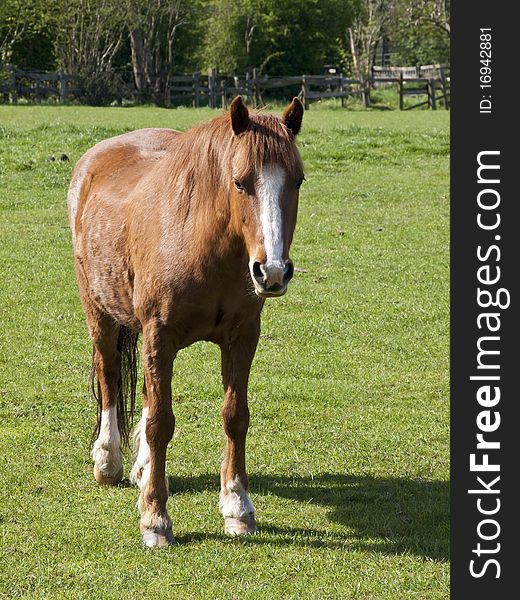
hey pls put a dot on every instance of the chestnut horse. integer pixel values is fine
(180, 237)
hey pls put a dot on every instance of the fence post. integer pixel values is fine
(196, 88)
(444, 88)
(254, 86)
(305, 92)
(223, 92)
(120, 90)
(62, 87)
(401, 91)
(215, 88)
(433, 99)
(168, 91)
(341, 90)
(13, 93)
(212, 83)
(366, 91)
(248, 88)
(252, 90)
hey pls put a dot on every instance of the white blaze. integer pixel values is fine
(271, 181)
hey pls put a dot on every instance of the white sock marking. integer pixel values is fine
(140, 475)
(141, 470)
(234, 501)
(106, 451)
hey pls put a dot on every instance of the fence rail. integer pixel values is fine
(432, 81)
(214, 89)
(38, 85)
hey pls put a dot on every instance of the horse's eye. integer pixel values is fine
(238, 185)
(300, 181)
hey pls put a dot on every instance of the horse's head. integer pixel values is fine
(267, 172)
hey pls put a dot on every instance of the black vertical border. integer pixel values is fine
(472, 132)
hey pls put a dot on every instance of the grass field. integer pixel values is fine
(348, 446)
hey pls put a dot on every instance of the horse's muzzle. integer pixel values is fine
(272, 277)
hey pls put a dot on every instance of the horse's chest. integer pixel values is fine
(198, 311)
(214, 322)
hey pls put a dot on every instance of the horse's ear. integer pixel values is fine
(239, 115)
(293, 115)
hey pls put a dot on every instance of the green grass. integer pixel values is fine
(348, 446)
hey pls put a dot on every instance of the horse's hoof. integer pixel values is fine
(244, 526)
(157, 537)
(107, 479)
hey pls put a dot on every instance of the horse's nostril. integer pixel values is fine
(272, 276)
(289, 271)
(257, 272)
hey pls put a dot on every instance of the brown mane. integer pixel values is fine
(212, 148)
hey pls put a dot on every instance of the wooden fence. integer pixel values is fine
(37, 85)
(432, 81)
(216, 90)
(213, 89)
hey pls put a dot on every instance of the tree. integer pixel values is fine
(294, 36)
(366, 32)
(435, 12)
(308, 34)
(89, 33)
(17, 19)
(153, 27)
(233, 33)
(420, 32)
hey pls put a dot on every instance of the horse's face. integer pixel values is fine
(267, 174)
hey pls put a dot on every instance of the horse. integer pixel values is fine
(180, 237)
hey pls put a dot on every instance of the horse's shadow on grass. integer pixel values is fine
(386, 515)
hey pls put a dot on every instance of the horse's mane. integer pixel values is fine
(212, 151)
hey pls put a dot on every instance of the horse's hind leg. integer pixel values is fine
(106, 451)
(235, 504)
(141, 468)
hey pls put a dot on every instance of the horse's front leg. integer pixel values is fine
(235, 504)
(158, 355)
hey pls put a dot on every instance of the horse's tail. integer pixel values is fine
(126, 386)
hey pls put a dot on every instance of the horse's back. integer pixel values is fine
(113, 166)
